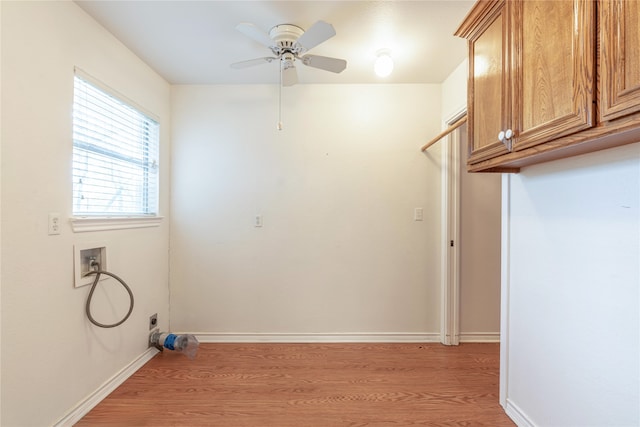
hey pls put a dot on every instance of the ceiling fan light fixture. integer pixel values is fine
(384, 63)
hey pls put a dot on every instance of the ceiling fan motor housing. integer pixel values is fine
(285, 37)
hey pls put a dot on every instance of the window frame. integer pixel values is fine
(98, 222)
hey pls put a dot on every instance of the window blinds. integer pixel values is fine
(115, 155)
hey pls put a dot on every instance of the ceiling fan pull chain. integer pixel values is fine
(280, 101)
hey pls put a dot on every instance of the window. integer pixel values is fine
(115, 155)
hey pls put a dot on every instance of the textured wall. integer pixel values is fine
(52, 357)
(339, 251)
(574, 290)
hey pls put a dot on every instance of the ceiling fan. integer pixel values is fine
(289, 43)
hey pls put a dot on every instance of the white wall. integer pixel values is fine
(573, 286)
(339, 252)
(52, 357)
(479, 240)
(454, 91)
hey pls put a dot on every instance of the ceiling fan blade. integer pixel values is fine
(289, 76)
(318, 33)
(334, 65)
(252, 62)
(255, 33)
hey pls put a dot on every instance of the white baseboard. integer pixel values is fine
(228, 337)
(517, 416)
(480, 337)
(103, 391)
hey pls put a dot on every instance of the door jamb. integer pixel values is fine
(450, 231)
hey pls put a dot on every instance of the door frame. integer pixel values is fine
(450, 232)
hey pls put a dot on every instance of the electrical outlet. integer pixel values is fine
(54, 223)
(418, 214)
(153, 321)
(257, 221)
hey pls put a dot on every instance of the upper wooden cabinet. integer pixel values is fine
(489, 102)
(554, 69)
(532, 79)
(620, 58)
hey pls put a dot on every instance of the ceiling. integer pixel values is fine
(194, 42)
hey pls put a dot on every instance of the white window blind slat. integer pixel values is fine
(115, 155)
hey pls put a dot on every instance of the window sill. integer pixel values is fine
(86, 223)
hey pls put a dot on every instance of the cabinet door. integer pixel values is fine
(489, 103)
(619, 58)
(554, 69)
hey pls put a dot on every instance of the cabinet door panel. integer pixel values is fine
(554, 63)
(546, 70)
(489, 100)
(619, 58)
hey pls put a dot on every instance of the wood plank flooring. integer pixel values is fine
(311, 385)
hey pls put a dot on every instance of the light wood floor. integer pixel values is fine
(311, 385)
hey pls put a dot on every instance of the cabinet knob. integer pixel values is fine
(508, 134)
(505, 135)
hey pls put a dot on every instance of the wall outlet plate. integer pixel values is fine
(153, 321)
(54, 223)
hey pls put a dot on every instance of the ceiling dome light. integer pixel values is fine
(384, 64)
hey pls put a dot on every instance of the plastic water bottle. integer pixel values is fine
(183, 343)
